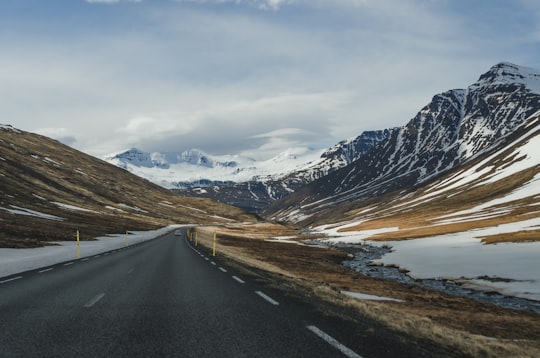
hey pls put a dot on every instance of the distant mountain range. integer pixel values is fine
(241, 181)
(455, 127)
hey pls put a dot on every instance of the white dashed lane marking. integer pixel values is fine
(46, 270)
(238, 279)
(267, 298)
(333, 342)
(94, 300)
(11, 279)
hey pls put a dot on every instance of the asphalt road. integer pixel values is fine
(163, 298)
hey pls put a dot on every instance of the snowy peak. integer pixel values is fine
(138, 158)
(191, 156)
(133, 156)
(349, 150)
(8, 128)
(508, 73)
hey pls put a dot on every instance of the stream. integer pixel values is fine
(364, 254)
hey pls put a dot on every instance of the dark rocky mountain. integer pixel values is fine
(455, 127)
(257, 194)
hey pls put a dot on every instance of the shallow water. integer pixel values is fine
(365, 254)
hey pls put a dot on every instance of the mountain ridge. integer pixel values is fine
(454, 127)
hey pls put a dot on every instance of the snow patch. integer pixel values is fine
(72, 207)
(462, 256)
(363, 296)
(23, 211)
(134, 208)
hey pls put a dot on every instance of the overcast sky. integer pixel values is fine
(251, 77)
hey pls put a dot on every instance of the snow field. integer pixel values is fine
(512, 269)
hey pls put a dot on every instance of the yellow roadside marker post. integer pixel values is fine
(127, 239)
(196, 237)
(78, 246)
(214, 248)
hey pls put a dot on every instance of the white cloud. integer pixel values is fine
(261, 4)
(284, 132)
(163, 76)
(63, 135)
(110, 1)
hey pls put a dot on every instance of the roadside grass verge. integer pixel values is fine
(467, 326)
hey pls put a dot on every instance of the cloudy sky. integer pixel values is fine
(251, 77)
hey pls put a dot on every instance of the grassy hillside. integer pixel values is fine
(49, 190)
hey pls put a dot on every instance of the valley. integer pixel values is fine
(448, 203)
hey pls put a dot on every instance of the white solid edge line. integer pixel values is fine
(46, 270)
(267, 298)
(94, 300)
(11, 279)
(239, 279)
(333, 342)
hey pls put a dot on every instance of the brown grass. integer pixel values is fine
(520, 236)
(471, 327)
(420, 227)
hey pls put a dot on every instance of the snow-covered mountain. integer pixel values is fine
(475, 227)
(241, 181)
(195, 168)
(454, 128)
(464, 173)
(263, 189)
(137, 158)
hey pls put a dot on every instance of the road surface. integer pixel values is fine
(164, 298)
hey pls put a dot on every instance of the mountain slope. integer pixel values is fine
(455, 127)
(49, 190)
(499, 187)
